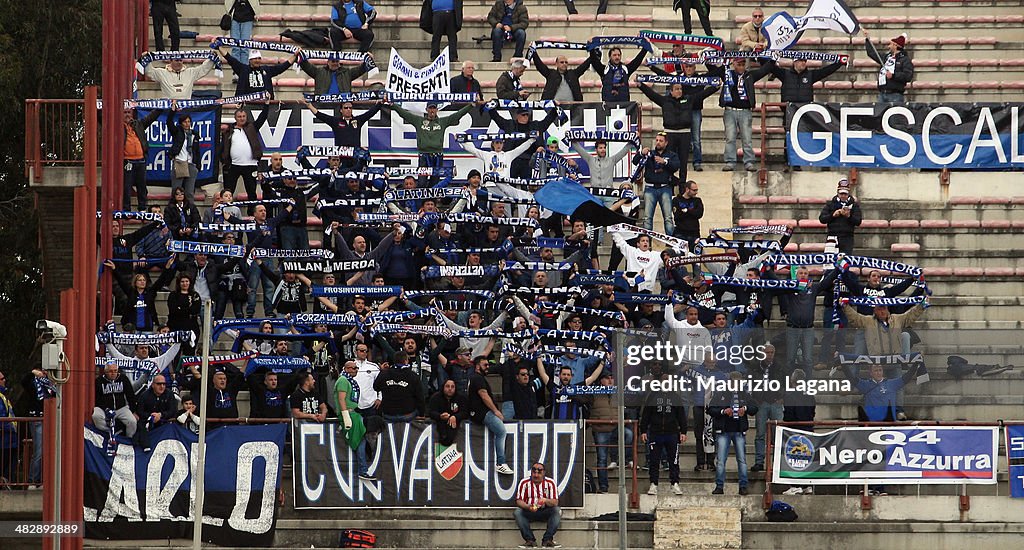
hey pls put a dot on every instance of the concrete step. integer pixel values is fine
(906, 535)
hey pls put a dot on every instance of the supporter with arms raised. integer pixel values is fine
(431, 131)
(139, 310)
(255, 76)
(562, 83)
(738, 99)
(522, 122)
(334, 78)
(677, 117)
(347, 128)
(615, 76)
(897, 70)
(537, 500)
(175, 81)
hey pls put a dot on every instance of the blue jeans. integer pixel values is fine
(497, 428)
(257, 277)
(399, 417)
(765, 412)
(294, 237)
(722, 442)
(241, 31)
(698, 158)
(362, 463)
(498, 40)
(892, 98)
(609, 438)
(663, 197)
(802, 338)
(508, 408)
(738, 118)
(35, 469)
(552, 515)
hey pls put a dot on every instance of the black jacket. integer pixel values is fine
(510, 125)
(178, 218)
(147, 298)
(661, 415)
(677, 114)
(460, 84)
(507, 86)
(841, 225)
(902, 73)
(178, 140)
(114, 394)
(150, 402)
(687, 223)
(457, 406)
(799, 87)
(554, 79)
(726, 423)
(773, 371)
(400, 391)
(750, 77)
(427, 17)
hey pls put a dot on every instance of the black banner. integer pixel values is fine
(917, 135)
(414, 470)
(149, 495)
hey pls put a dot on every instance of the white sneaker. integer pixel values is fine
(653, 490)
(613, 465)
(808, 490)
(676, 489)
(793, 491)
(504, 470)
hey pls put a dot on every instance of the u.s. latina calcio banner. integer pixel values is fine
(896, 455)
(414, 470)
(916, 135)
(150, 495)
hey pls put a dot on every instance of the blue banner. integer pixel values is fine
(392, 141)
(158, 164)
(1015, 458)
(916, 135)
(138, 494)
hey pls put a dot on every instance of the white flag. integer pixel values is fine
(783, 30)
(406, 79)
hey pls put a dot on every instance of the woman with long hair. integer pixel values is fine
(181, 216)
(139, 310)
(183, 309)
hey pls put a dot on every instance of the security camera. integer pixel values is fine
(52, 328)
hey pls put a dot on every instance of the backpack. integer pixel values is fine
(357, 538)
(781, 512)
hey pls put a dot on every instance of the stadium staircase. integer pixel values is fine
(964, 232)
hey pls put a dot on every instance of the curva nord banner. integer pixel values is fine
(414, 470)
(917, 135)
(897, 455)
(150, 495)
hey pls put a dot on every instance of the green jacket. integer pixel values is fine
(430, 134)
(322, 77)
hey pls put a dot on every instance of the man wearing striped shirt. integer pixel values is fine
(537, 500)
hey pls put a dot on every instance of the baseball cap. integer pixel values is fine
(255, 54)
(843, 186)
(463, 351)
(552, 140)
(473, 173)
(523, 112)
(432, 105)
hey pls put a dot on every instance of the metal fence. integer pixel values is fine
(16, 467)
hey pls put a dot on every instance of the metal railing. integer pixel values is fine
(631, 450)
(16, 462)
(54, 134)
(766, 132)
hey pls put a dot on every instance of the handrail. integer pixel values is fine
(56, 124)
(762, 174)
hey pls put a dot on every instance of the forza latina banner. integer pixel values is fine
(916, 135)
(138, 494)
(891, 455)
(414, 470)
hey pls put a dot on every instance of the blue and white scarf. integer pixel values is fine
(132, 215)
(210, 249)
(696, 81)
(366, 59)
(602, 135)
(397, 195)
(639, 41)
(150, 57)
(396, 97)
(730, 81)
(549, 44)
(329, 319)
(376, 291)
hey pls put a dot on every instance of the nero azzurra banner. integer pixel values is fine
(414, 470)
(897, 455)
(150, 495)
(917, 135)
(159, 167)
